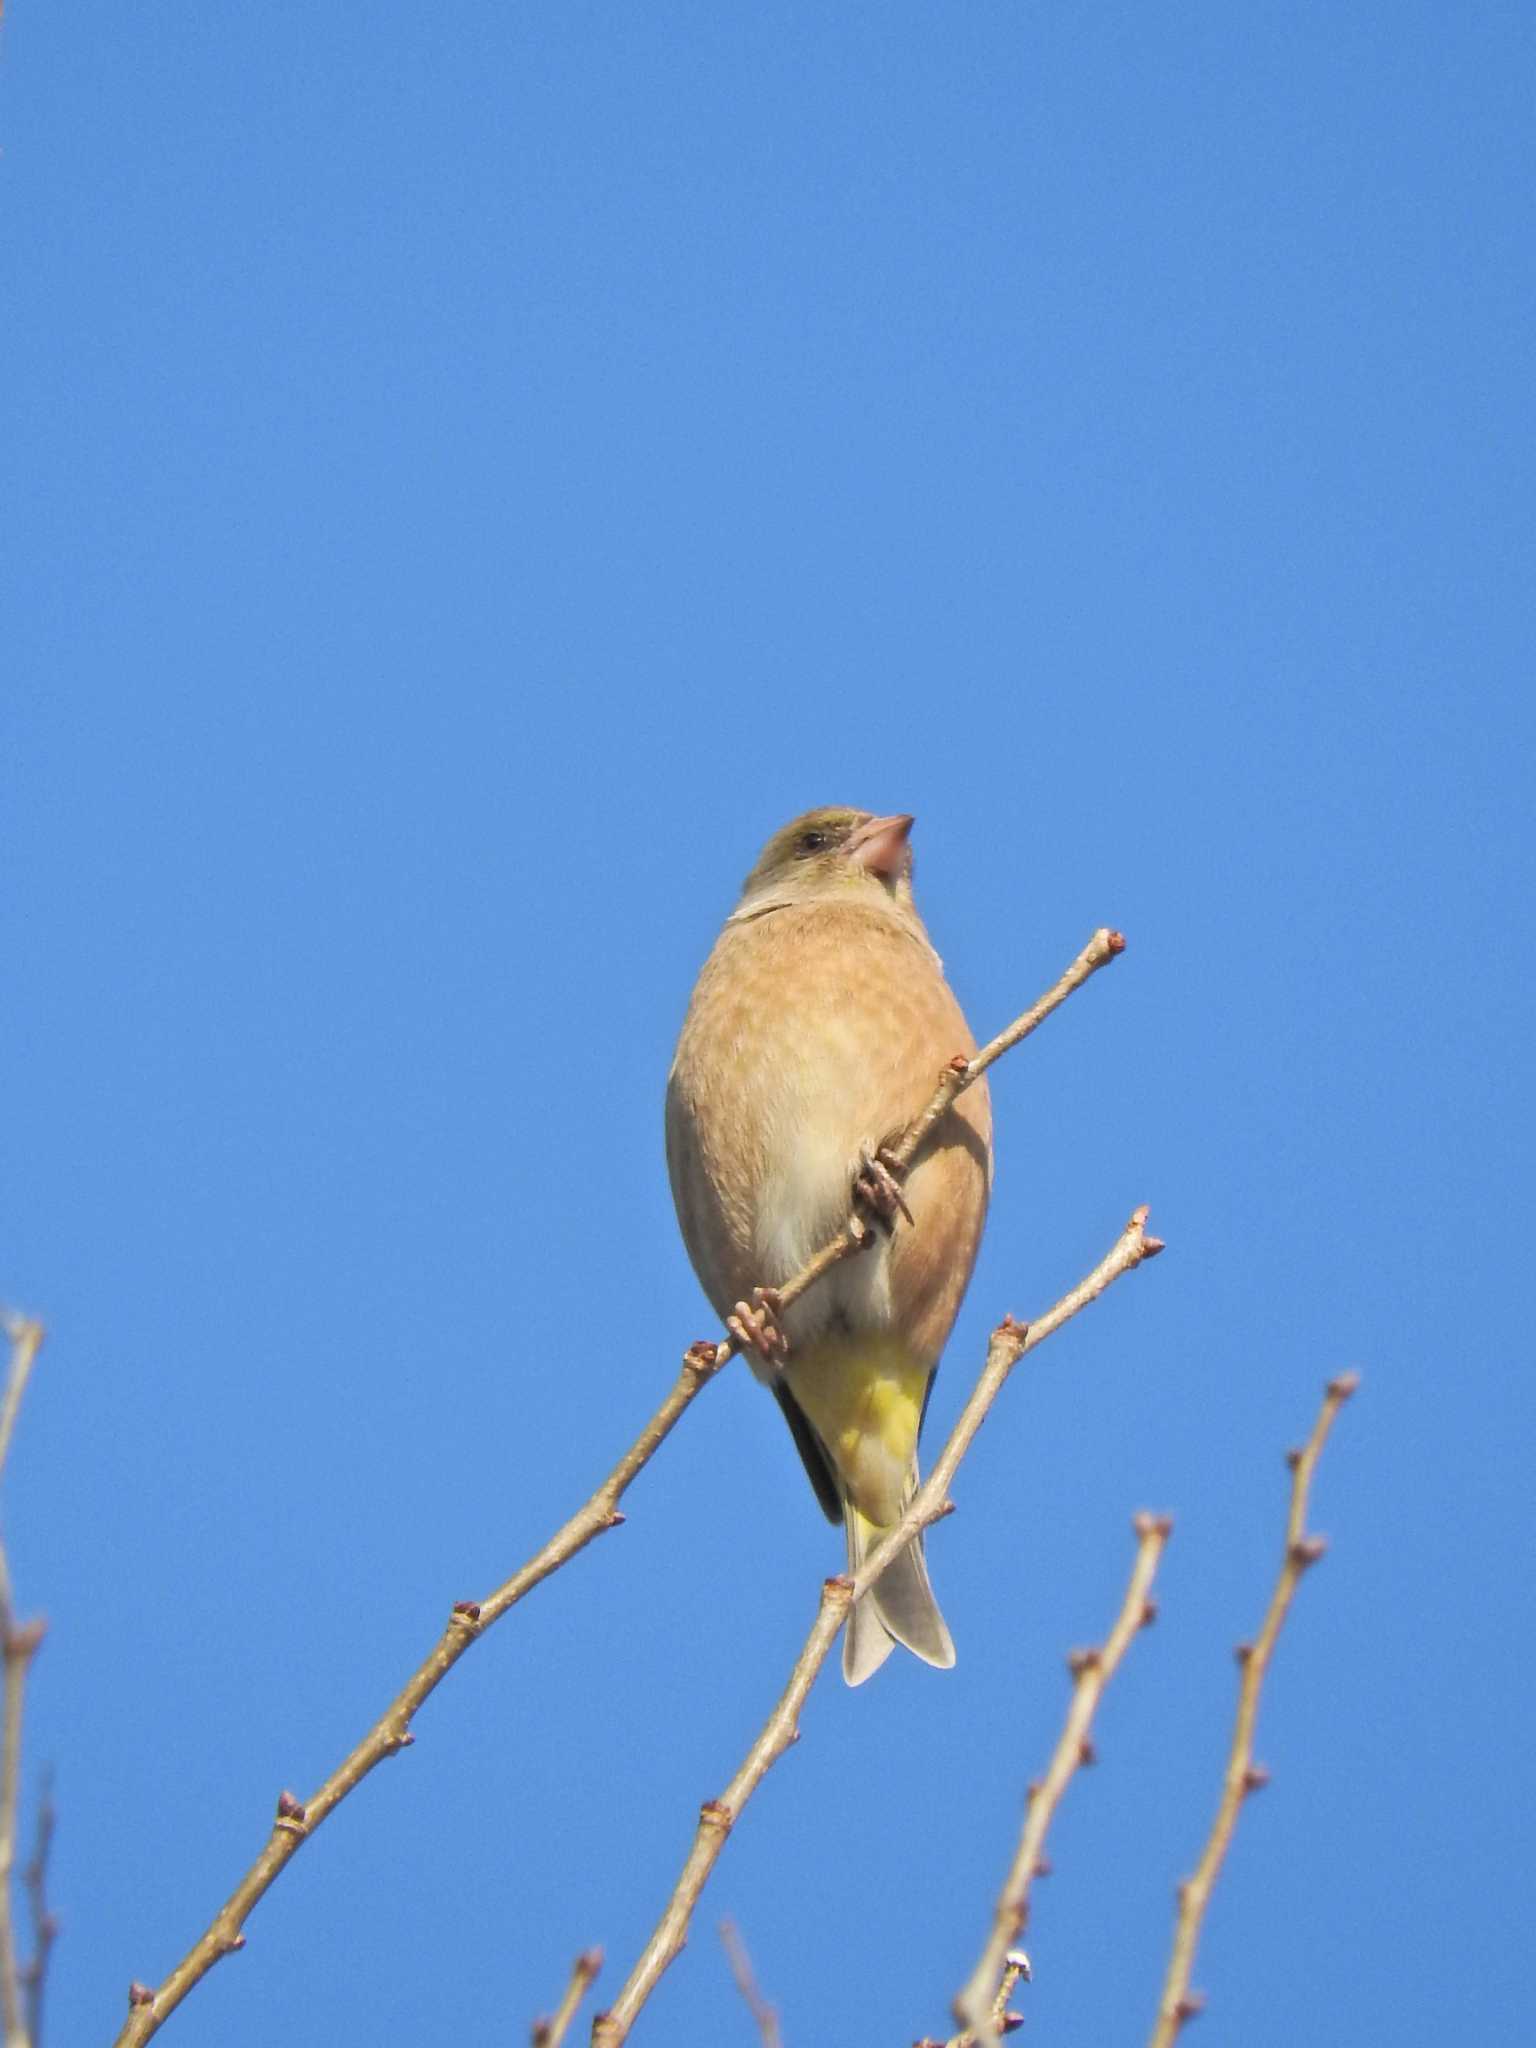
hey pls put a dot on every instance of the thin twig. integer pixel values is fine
(551, 2032)
(1243, 1776)
(1104, 946)
(296, 1822)
(746, 1983)
(45, 1927)
(19, 1644)
(25, 1335)
(149, 2007)
(977, 2006)
(1015, 1970)
(1010, 1340)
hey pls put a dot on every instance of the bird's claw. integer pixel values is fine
(877, 1186)
(756, 1327)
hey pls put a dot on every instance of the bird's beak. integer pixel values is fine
(880, 847)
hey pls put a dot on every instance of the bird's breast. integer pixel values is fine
(811, 1038)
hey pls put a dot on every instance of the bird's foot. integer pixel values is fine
(756, 1327)
(877, 1187)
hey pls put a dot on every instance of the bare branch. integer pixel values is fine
(25, 1335)
(149, 2007)
(1104, 946)
(1015, 1970)
(1179, 2003)
(19, 1644)
(979, 2007)
(746, 1983)
(45, 1928)
(717, 1816)
(20, 1647)
(551, 2032)
(296, 1822)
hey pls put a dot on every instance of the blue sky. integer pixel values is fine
(469, 479)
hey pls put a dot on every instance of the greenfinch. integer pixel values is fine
(816, 1033)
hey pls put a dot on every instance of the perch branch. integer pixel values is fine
(148, 2006)
(976, 2007)
(295, 1822)
(745, 1979)
(551, 2032)
(1010, 1340)
(1104, 946)
(1179, 2003)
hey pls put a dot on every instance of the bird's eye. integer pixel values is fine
(813, 842)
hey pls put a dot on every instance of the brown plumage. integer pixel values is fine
(816, 1033)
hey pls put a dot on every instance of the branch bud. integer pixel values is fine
(1147, 1524)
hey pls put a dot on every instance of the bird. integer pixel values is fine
(816, 1032)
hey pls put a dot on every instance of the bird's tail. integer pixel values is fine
(898, 1608)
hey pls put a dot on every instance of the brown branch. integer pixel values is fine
(25, 1335)
(1243, 1776)
(26, 1340)
(295, 1822)
(1104, 946)
(977, 2007)
(551, 2032)
(1015, 1969)
(717, 1816)
(746, 1983)
(45, 1927)
(19, 1644)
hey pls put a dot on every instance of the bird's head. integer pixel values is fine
(833, 853)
